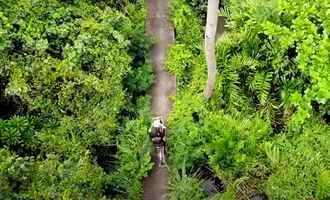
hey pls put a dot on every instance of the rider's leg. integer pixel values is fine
(163, 158)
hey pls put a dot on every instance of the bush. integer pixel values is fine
(184, 187)
(266, 128)
(134, 151)
(290, 36)
(68, 62)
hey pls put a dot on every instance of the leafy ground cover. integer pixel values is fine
(266, 129)
(73, 121)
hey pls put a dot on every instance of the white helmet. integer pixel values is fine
(157, 122)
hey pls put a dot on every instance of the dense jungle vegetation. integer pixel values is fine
(73, 110)
(74, 114)
(265, 132)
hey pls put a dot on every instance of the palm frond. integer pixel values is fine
(241, 60)
(261, 84)
(272, 152)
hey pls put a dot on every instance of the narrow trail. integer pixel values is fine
(158, 26)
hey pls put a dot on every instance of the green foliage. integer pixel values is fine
(134, 151)
(186, 58)
(199, 7)
(180, 13)
(287, 43)
(140, 78)
(232, 148)
(27, 178)
(323, 185)
(179, 62)
(185, 144)
(184, 187)
(75, 66)
(216, 135)
(14, 169)
(17, 131)
(304, 161)
(265, 129)
(273, 153)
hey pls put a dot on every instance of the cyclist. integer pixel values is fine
(157, 134)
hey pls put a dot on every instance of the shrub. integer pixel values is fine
(265, 129)
(68, 63)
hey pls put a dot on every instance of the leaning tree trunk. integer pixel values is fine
(210, 39)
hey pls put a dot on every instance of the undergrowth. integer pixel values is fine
(77, 125)
(265, 131)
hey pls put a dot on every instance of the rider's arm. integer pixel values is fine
(153, 132)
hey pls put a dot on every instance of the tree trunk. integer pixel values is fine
(210, 39)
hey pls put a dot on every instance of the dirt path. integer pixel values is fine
(158, 26)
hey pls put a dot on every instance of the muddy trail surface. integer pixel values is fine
(158, 27)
